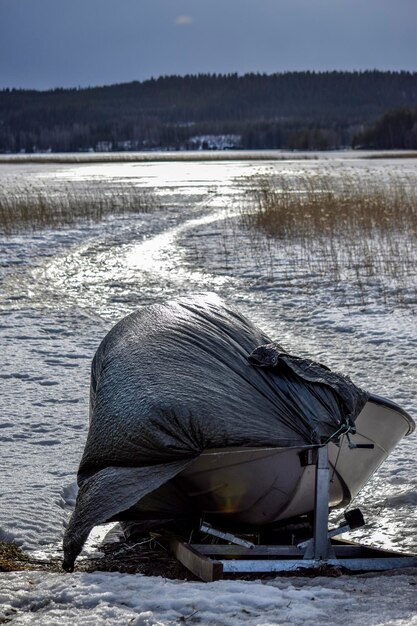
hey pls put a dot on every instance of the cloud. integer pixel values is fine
(183, 20)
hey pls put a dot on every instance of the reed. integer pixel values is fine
(156, 156)
(29, 208)
(12, 558)
(410, 154)
(342, 232)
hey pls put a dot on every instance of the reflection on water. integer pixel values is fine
(62, 289)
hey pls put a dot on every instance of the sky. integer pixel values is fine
(46, 44)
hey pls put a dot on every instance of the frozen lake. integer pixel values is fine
(63, 289)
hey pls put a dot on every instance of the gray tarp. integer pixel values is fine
(174, 379)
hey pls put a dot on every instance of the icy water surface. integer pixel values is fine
(63, 289)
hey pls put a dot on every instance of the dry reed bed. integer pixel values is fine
(29, 208)
(350, 230)
(157, 156)
(410, 154)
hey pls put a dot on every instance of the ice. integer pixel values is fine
(61, 292)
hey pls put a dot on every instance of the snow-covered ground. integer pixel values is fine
(108, 599)
(62, 290)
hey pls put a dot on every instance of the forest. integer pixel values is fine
(292, 110)
(396, 129)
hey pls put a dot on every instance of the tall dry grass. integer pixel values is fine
(351, 230)
(28, 208)
(156, 156)
(387, 154)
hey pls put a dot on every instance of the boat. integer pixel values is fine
(262, 485)
(171, 381)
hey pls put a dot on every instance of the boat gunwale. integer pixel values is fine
(389, 404)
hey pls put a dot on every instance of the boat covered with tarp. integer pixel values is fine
(196, 412)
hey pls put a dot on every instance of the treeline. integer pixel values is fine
(394, 130)
(295, 110)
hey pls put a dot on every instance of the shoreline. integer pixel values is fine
(198, 155)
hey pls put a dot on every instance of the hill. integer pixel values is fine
(305, 110)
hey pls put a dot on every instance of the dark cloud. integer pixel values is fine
(51, 43)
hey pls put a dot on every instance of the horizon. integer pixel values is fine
(218, 74)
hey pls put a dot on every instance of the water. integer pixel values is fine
(63, 289)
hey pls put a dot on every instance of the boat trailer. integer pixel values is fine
(210, 562)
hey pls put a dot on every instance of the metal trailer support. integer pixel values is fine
(320, 547)
(210, 561)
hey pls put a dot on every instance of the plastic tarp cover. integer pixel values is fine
(174, 379)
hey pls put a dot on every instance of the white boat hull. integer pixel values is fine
(260, 486)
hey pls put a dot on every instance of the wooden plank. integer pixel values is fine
(371, 551)
(201, 566)
(261, 550)
(284, 551)
(348, 551)
(351, 556)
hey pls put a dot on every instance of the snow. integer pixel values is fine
(215, 142)
(62, 290)
(112, 598)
